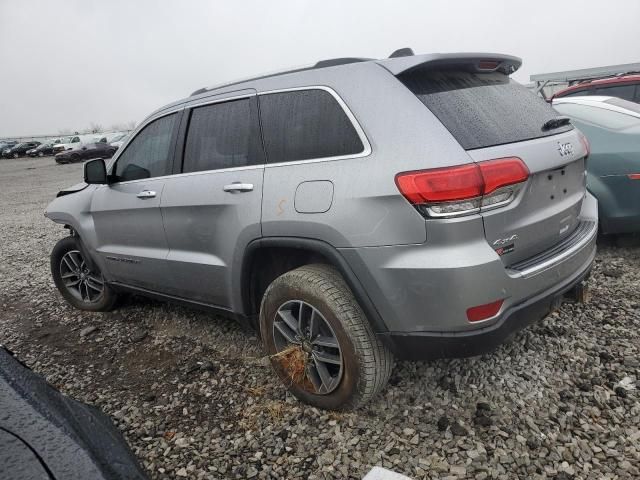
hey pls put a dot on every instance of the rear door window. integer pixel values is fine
(481, 109)
(223, 135)
(306, 124)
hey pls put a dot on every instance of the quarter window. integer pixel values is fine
(306, 124)
(149, 153)
(222, 135)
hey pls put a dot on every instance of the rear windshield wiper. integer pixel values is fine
(555, 123)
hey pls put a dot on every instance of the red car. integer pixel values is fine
(626, 87)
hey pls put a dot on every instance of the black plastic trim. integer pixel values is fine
(163, 297)
(434, 345)
(318, 246)
(84, 250)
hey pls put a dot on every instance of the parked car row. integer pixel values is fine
(19, 149)
(67, 149)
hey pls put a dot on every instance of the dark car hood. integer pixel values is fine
(76, 188)
(52, 433)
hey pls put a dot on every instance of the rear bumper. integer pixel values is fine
(429, 346)
(422, 292)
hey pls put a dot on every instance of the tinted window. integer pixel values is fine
(598, 116)
(222, 135)
(481, 109)
(306, 124)
(148, 154)
(621, 91)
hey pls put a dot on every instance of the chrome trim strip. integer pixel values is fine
(354, 121)
(551, 262)
(201, 172)
(207, 101)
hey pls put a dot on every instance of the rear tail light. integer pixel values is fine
(463, 189)
(482, 312)
(585, 143)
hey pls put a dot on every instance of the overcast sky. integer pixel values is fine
(66, 64)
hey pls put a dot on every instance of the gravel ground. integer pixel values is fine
(194, 397)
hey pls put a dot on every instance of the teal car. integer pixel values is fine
(612, 127)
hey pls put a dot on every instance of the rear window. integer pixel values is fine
(626, 92)
(481, 109)
(306, 124)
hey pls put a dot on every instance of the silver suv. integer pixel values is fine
(358, 210)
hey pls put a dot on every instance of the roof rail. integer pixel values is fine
(332, 62)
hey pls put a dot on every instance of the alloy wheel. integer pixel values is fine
(81, 282)
(301, 327)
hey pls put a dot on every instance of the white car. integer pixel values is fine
(119, 139)
(77, 142)
(67, 143)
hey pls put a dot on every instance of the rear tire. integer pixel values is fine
(321, 292)
(81, 287)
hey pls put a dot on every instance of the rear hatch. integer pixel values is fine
(494, 117)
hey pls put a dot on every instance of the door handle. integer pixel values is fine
(146, 194)
(238, 187)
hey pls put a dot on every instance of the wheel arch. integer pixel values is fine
(267, 258)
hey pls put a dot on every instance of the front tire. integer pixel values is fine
(319, 340)
(82, 287)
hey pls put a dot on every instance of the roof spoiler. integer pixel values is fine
(479, 62)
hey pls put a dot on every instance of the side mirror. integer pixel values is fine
(95, 171)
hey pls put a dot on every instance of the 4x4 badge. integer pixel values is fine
(504, 241)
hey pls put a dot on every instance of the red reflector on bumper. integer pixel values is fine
(482, 312)
(634, 176)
